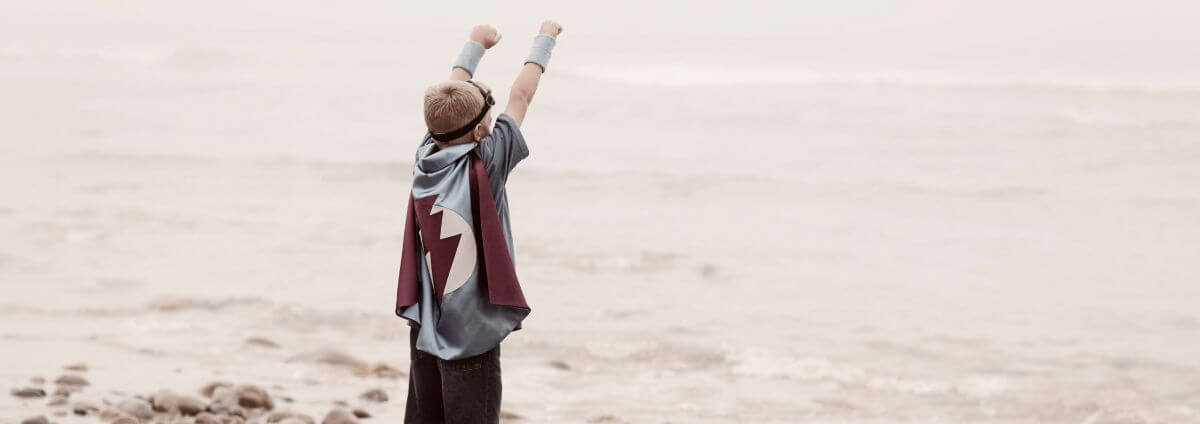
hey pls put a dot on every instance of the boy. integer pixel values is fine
(458, 288)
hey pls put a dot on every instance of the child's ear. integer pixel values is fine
(480, 132)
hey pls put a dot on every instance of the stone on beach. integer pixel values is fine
(40, 419)
(331, 357)
(29, 392)
(361, 413)
(84, 407)
(340, 416)
(289, 417)
(262, 342)
(209, 388)
(251, 396)
(81, 367)
(137, 408)
(379, 370)
(111, 414)
(57, 401)
(375, 395)
(71, 380)
(168, 401)
(210, 418)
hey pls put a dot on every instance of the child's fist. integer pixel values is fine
(551, 28)
(486, 35)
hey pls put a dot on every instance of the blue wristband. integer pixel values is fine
(468, 59)
(540, 52)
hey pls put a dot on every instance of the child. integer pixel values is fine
(457, 286)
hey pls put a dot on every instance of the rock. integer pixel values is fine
(560, 365)
(125, 419)
(262, 342)
(360, 413)
(509, 416)
(209, 388)
(109, 414)
(37, 380)
(137, 408)
(71, 380)
(65, 391)
(29, 392)
(83, 407)
(339, 416)
(167, 401)
(232, 419)
(286, 417)
(40, 419)
(375, 395)
(207, 418)
(81, 367)
(385, 371)
(287, 399)
(57, 401)
(331, 357)
(225, 402)
(251, 396)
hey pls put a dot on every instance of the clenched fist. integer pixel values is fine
(486, 35)
(551, 28)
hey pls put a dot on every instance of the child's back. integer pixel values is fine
(458, 286)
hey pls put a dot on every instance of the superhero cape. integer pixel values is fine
(496, 270)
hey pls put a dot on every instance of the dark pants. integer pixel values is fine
(461, 391)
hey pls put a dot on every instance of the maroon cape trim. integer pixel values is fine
(499, 277)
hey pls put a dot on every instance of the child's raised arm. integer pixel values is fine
(482, 37)
(521, 94)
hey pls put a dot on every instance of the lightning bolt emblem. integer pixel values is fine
(449, 245)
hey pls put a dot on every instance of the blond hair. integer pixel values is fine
(451, 104)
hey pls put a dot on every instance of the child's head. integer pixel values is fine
(450, 105)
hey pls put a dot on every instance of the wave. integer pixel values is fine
(759, 362)
(687, 75)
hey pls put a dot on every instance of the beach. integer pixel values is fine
(198, 194)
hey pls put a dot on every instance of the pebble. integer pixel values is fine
(83, 407)
(209, 388)
(251, 396)
(375, 395)
(29, 392)
(379, 370)
(167, 401)
(40, 419)
(339, 416)
(137, 408)
(262, 342)
(331, 357)
(207, 418)
(65, 391)
(57, 401)
(109, 414)
(288, 417)
(360, 413)
(509, 416)
(81, 367)
(71, 380)
(125, 419)
(225, 402)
